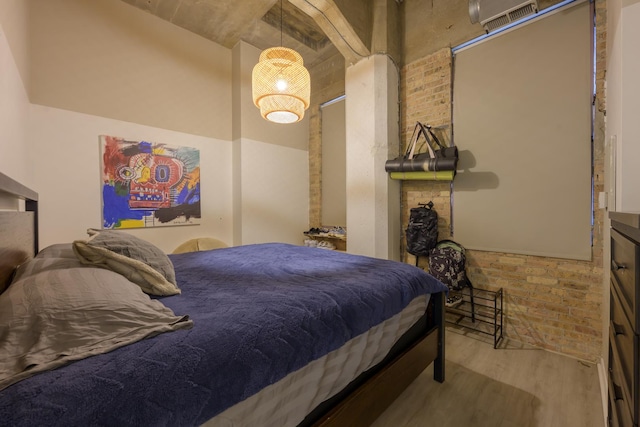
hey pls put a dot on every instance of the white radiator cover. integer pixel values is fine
(493, 14)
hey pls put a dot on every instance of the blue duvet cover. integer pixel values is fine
(259, 312)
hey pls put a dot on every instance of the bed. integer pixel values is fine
(269, 334)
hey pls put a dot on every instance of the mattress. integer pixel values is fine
(287, 402)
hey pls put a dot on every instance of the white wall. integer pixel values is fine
(275, 193)
(67, 177)
(623, 99)
(630, 148)
(111, 59)
(14, 20)
(271, 166)
(14, 111)
(79, 55)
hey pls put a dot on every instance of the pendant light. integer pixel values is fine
(280, 84)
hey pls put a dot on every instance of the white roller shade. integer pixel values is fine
(334, 164)
(522, 122)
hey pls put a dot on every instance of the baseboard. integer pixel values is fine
(604, 392)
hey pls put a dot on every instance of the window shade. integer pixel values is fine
(522, 123)
(334, 164)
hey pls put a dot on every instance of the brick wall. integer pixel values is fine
(551, 303)
(425, 90)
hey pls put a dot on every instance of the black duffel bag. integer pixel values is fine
(437, 158)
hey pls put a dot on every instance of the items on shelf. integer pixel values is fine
(325, 245)
(333, 238)
(334, 232)
(428, 165)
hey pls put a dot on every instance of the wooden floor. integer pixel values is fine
(512, 386)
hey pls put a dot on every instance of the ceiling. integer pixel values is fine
(256, 22)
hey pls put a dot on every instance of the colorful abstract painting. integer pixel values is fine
(146, 184)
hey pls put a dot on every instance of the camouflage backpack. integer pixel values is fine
(447, 264)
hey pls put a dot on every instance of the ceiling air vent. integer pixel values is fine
(493, 14)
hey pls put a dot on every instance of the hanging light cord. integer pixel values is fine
(281, 24)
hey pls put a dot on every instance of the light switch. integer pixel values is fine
(602, 200)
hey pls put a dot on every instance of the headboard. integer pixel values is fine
(18, 229)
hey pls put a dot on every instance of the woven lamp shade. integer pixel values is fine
(281, 85)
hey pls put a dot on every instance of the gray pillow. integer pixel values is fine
(54, 257)
(59, 250)
(136, 259)
(59, 310)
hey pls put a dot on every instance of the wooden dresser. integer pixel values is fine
(624, 323)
